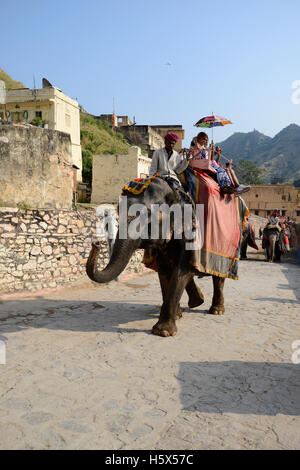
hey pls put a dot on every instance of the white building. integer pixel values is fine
(52, 107)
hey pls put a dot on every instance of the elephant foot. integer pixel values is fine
(195, 301)
(164, 329)
(179, 313)
(196, 297)
(217, 310)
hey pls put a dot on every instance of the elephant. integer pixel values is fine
(247, 239)
(276, 242)
(271, 243)
(175, 271)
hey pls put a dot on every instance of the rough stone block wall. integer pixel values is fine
(47, 248)
(35, 167)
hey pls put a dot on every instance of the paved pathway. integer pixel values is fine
(84, 372)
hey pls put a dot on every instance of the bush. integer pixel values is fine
(97, 137)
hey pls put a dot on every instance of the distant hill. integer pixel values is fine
(280, 155)
(9, 82)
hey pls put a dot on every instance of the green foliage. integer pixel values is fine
(39, 122)
(24, 205)
(97, 137)
(9, 82)
(297, 183)
(248, 173)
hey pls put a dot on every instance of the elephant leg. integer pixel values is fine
(196, 297)
(272, 250)
(244, 250)
(217, 307)
(166, 325)
(164, 285)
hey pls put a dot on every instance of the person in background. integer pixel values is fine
(274, 219)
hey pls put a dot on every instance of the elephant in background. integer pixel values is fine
(276, 241)
(248, 238)
(175, 271)
(271, 243)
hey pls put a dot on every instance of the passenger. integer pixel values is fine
(227, 178)
(274, 221)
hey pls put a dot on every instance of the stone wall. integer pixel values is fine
(35, 167)
(47, 248)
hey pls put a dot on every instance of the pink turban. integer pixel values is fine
(171, 136)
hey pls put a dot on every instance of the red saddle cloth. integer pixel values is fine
(221, 225)
(224, 217)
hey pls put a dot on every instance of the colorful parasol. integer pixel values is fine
(212, 121)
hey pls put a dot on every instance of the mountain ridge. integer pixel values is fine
(279, 155)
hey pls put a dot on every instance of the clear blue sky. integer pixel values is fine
(235, 58)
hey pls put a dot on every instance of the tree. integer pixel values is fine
(297, 183)
(248, 173)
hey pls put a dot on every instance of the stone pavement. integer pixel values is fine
(83, 370)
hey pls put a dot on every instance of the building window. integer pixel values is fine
(39, 114)
(268, 212)
(283, 212)
(298, 213)
(283, 198)
(256, 212)
(256, 195)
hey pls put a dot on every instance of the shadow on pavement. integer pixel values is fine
(264, 388)
(292, 274)
(276, 299)
(83, 316)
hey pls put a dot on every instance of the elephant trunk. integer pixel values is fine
(122, 252)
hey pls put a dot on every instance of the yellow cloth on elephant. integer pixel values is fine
(138, 185)
(274, 226)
